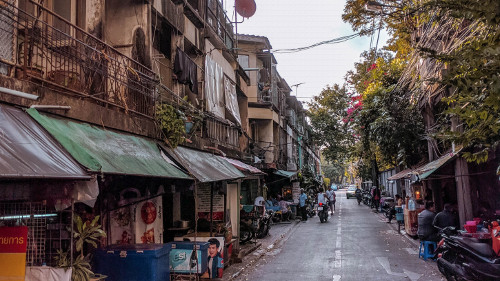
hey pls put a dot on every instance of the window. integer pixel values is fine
(244, 61)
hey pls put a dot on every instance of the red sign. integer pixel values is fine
(13, 239)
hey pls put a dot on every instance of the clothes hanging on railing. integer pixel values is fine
(186, 70)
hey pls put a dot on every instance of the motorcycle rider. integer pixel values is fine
(322, 198)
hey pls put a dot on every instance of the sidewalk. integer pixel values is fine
(394, 226)
(251, 252)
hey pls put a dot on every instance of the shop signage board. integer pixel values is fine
(13, 243)
(296, 191)
(203, 206)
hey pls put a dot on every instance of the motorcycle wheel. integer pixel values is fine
(246, 233)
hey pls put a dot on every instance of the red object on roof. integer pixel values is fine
(246, 8)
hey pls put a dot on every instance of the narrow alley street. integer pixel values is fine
(356, 244)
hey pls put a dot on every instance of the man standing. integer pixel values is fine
(215, 262)
(302, 204)
(426, 230)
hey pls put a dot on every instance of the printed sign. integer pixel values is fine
(296, 191)
(13, 243)
(204, 204)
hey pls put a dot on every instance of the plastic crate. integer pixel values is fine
(140, 262)
(182, 259)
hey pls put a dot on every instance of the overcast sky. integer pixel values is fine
(299, 23)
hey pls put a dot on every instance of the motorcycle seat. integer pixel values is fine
(483, 249)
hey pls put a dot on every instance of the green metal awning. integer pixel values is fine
(108, 151)
(286, 174)
(204, 166)
(431, 167)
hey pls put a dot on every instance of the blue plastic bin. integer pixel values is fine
(140, 262)
(182, 259)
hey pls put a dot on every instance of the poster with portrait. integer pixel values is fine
(215, 258)
(149, 221)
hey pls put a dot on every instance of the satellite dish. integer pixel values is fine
(245, 8)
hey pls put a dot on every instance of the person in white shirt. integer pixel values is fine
(260, 205)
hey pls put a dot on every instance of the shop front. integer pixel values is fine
(214, 206)
(134, 181)
(40, 184)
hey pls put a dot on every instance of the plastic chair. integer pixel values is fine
(425, 250)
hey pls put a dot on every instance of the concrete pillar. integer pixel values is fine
(463, 190)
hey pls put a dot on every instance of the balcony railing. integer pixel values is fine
(69, 58)
(221, 132)
(219, 21)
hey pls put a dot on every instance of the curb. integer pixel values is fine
(268, 248)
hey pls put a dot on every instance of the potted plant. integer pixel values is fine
(84, 234)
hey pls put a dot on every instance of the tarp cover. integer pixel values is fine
(285, 174)
(107, 151)
(243, 167)
(204, 166)
(214, 87)
(232, 100)
(28, 151)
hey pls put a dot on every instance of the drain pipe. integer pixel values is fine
(18, 93)
(43, 106)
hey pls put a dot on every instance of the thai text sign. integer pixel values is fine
(13, 242)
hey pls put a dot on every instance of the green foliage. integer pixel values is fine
(327, 113)
(84, 233)
(81, 265)
(171, 123)
(87, 233)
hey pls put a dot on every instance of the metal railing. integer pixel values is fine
(221, 132)
(219, 21)
(48, 48)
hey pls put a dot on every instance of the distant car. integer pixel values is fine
(334, 187)
(351, 192)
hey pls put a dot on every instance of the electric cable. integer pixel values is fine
(331, 41)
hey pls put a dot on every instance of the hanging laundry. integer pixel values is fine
(186, 70)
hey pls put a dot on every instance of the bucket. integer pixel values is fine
(470, 223)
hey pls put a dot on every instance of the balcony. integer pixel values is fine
(218, 20)
(70, 60)
(221, 133)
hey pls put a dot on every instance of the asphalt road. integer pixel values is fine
(355, 244)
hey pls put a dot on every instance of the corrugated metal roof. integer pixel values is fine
(427, 170)
(28, 151)
(108, 151)
(403, 174)
(243, 167)
(204, 166)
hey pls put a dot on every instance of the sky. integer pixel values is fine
(299, 23)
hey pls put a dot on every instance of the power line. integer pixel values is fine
(331, 41)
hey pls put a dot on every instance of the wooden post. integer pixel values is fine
(463, 190)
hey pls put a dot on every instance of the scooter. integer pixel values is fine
(466, 258)
(263, 224)
(310, 210)
(323, 212)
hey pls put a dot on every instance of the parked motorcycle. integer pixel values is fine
(310, 210)
(367, 198)
(323, 212)
(263, 224)
(466, 258)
